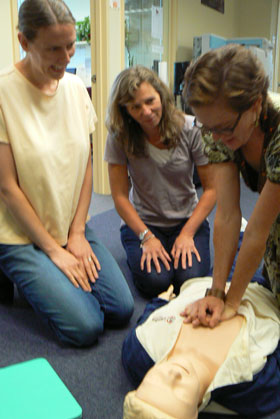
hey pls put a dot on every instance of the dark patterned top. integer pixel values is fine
(217, 152)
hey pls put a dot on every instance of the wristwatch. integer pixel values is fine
(143, 234)
(215, 292)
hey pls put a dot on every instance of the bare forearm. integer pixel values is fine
(120, 190)
(248, 260)
(22, 211)
(226, 236)
(79, 220)
(130, 216)
(204, 206)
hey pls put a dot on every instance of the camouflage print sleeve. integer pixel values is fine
(272, 158)
(216, 151)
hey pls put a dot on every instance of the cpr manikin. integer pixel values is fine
(174, 387)
(179, 371)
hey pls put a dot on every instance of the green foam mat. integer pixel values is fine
(33, 390)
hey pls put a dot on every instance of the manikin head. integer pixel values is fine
(170, 390)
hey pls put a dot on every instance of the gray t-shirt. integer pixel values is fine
(163, 194)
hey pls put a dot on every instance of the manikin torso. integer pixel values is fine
(176, 386)
(206, 349)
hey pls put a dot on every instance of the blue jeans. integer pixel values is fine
(154, 283)
(77, 317)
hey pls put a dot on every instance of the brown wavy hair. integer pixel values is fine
(124, 128)
(234, 74)
(35, 14)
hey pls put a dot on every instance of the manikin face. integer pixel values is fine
(232, 128)
(146, 108)
(172, 386)
(51, 50)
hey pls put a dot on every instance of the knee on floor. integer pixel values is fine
(84, 334)
(121, 315)
(153, 284)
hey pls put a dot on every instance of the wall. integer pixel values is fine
(255, 18)
(6, 40)
(263, 17)
(116, 49)
(195, 19)
(246, 18)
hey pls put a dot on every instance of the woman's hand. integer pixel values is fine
(79, 247)
(206, 312)
(71, 267)
(184, 247)
(229, 311)
(153, 250)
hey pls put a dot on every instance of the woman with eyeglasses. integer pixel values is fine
(164, 231)
(227, 89)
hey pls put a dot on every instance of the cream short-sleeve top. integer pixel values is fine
(49, 138)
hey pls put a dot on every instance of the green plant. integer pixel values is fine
(83, 30)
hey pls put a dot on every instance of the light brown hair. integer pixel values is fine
(35, 14)
(232, 73)
(124, 128)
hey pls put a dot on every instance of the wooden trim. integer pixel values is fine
(103, 62)
(99, 62)
(122, 8)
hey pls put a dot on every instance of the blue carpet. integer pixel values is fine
(93, 375)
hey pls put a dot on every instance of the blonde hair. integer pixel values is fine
(135, 408)
(232, 73)
(124, 128)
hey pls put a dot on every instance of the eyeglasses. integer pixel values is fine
(226, 131)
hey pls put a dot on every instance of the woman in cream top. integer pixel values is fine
(46, 248)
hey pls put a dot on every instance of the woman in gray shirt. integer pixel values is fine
(164, 229)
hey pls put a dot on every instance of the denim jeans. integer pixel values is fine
(77, 317)
(153, 283)
(6, 289)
